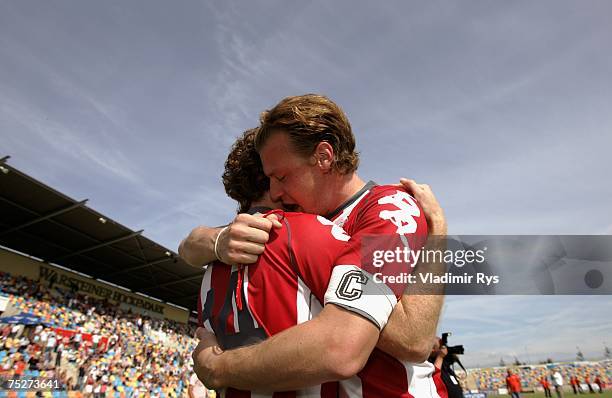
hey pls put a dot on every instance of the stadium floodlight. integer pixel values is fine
(4, 170)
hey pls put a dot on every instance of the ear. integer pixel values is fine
(323, 156)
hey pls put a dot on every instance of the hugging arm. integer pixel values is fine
(414, 320)
(240, 243)
(334, 345)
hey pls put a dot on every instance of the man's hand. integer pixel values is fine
(245, 238)
(434, 214)
(334, 345)
(241, 242)
(204, 357)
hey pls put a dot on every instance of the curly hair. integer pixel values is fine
(309, 119)
(243, 178)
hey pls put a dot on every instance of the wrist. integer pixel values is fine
(216, 243)
(219, 375)
(439, 226)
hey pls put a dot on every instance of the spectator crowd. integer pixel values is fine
(538, 377)
(90, 347)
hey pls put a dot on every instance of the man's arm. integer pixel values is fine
(335, 345)
(440, 357)
(240, 243)
(197, 248)
(414, 320)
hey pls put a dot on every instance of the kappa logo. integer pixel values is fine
(404, 217)
(351, 285)
(336, 231)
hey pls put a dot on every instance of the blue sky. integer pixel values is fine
(502, 107)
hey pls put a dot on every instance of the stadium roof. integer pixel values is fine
(44, 223)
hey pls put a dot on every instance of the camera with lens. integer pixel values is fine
(447, 371)
(456, 349)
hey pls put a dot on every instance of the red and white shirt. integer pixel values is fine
(377, 211)
(313, 272)
(308, 263)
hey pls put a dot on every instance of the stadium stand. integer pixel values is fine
(88, 303)
(494, 379)
(56, 229)
(141, 355)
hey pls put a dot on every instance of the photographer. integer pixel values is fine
(444, 376)
(437, 358)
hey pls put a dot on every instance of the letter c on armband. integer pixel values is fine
(350, 287)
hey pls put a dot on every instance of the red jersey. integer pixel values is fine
(375, 211)
(513, 383)
(308, 263)
(440, 386)
(19, 368)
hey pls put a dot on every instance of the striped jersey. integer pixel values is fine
(308, 263)
(309, 272)
(384, 211)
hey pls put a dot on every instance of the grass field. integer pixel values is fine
(605, 394)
